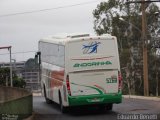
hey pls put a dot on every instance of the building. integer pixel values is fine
(17, 67)
(32, 79)
(24, 70)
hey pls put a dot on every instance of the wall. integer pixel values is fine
(15, 102)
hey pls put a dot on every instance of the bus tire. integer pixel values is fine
(102, 108)
(48, 101)
(62, 108)
(109, 106)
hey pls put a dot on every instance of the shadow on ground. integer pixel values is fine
(78, 113)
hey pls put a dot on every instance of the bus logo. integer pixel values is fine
(90, 48)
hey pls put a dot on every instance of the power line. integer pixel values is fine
(48, 9)
(19, 52)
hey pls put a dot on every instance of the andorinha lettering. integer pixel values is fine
(92, 64)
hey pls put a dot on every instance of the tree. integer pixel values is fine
(106, 20)
(5, 78)
(19, 82)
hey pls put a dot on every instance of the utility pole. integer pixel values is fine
(145, 43)
(38, 58)
(145, 55)
(11, 66)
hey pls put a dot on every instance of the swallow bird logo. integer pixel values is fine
(90, 48)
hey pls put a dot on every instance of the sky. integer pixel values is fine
(23, 31)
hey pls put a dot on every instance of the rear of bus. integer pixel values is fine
(93, 71)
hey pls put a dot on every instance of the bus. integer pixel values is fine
(81, 70)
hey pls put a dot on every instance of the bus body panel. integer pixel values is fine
(91, 55)
(94, 82)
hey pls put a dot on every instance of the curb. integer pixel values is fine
(141, 97)
(36, 94)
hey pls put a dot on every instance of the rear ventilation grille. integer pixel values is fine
(77, 36)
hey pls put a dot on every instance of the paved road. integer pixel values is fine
(44, 111)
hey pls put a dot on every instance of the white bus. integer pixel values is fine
(79, 70)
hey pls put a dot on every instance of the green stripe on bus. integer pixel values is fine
(99, 91)
(94, 99)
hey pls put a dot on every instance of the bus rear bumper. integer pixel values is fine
(94, 99)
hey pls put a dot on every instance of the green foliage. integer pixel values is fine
(104, 14)
(19, 82)
(125, 57)
(4, 75)
(5, 78)
(125, 90)
(106, 20)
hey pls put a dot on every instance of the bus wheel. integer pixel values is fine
(62, 108)
(48, 101)
(102, 108)
(109, 106)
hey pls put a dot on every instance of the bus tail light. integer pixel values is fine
(68, 85)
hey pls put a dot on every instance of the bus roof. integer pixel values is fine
(63, 39)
